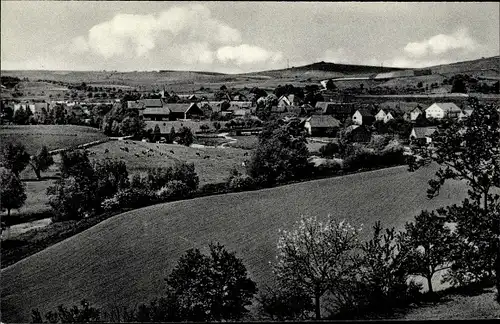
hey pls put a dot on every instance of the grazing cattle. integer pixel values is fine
(206, 157)
(106, 151)
(172, 152)
(246, 154)
(137, 154)
(197, 153)
(243, 163)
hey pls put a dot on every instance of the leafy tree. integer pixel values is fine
(171, 136)
(282, 303)
(75, 163)
(156, 133)
(330, 85)
(431, 242)
(458, 85)
(111, 176)
(14, 157)
(282, 153)
(21, 116)
(132, 126)
(317, 258)
(41, 161)
(185, 136)
(212, 287)
(72, 315)
(73, 198)
(12, 190)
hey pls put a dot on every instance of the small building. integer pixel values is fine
(464, 114)
(381, 115)
(155, 113)
(184, 111)
(358, 133)
(390, 115)
(414, 113)
(290, 100)
(440, 110)
(137, 104)
(363, 117)
(240, 104)
(322, 125)
(422, 135)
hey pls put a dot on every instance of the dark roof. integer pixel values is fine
(179, 107)
(422, 132)
(152, 103)
(365, 112)
(156, 111)
(323, 121)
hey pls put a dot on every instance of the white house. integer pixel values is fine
(362, 117)
(422, 134)
(439, 110)
(381, 115)
(414, 113)
(388, 116)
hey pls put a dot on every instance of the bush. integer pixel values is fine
(240, 183)
(134, 198)
(110, 204)
(329, 150)
(174, 189)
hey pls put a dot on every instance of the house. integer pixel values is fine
(422, 135)
(390, 115)
(137, 104)
(464, 114)
(239, 97)
(155, 113)
(339, 110)
(414, 113)
(381, 115)
(325, 108)
(363, 117)
(290, 100)
(184, 111)
(240, 112)
(357, 133)
(278, 109)
(322, 125)
(240, 104)
(440, 110)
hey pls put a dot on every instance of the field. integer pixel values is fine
(124, 259)
(53, 136)
(214, 168)
(248, 142)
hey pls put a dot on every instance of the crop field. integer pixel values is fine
(124, 259)
(33, 137)
(211, 164)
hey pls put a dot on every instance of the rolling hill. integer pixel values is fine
(124, 259)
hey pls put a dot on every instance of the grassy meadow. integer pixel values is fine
(33, 137)
(124, 259)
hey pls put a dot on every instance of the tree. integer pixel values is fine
(185, 136)
(458, 85)
(171, 136)
(156, 133)
(468, 150)
(282, 303)
(330, 85)
(111, 176)
(14, 157)
(317, 258)
(132, 126)
(12, 190)
(75, 163)
(21, 117)
(41, 161)
(212, 287)
(282, 153)
(73, 198)
(431, 242)
(64, 315)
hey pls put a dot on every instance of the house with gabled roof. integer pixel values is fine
(363, 116)
(322, 125)
(289, 100)
(440, 110)
(422, 135)
(381, 115)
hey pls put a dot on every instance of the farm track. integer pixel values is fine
(124, 259)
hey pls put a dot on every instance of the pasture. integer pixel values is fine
(124, 259)
(33, 137)
(211, 164)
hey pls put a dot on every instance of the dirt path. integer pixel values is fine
(230, 139)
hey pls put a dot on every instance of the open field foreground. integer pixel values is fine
(33, 137)
(124, 259)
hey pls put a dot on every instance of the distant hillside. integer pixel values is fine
(483, 64)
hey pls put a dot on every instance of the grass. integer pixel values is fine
(214, 168)
(124, 259)
(245, 142)
(33, 137)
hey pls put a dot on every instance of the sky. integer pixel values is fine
(236, 37)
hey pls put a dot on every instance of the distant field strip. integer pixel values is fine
(124, 259)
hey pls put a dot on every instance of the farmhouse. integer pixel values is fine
(290, 100)
(357, 133)
(184, 111)
(363, 117)
(381, 115)
(422, 135)
(390, 116)
(240, 104)
(154, 113)
(464, 114)
(440, 110)
(322, 125)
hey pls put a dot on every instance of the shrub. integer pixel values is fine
(174, 189)
(329, 150)
(240, 183)
(134, 198)
(110, 204)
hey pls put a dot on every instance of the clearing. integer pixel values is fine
(124, 259)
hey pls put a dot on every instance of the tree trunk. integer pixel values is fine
(37, 172)
(317, 306)
(429, 283)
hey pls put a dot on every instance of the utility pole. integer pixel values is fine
(287, 64)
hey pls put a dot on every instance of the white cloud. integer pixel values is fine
(140, 33)
(247, 54)
(196, 53)
(440, 44)
(404, 62)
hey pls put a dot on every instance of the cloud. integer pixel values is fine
(247, 54)
(404, 62)
(440, 44)
(137, 35)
